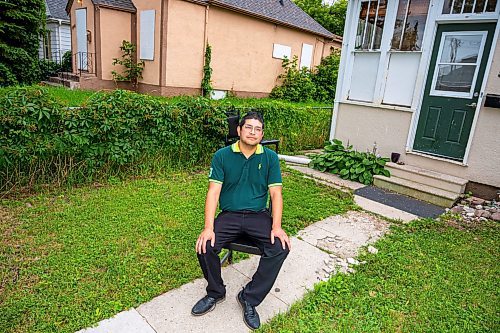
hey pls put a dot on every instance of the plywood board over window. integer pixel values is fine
(147, 35)
(281, 51)
(306, 56)
(401, 78)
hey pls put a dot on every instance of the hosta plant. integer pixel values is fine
(350, 164)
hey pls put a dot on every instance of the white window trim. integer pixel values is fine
(470, 94)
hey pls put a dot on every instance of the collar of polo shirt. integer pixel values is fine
(236, 148)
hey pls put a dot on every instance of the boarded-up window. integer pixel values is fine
(401, 78)
(281, 51)
(147, 35)
(306, 56)
(364, 76)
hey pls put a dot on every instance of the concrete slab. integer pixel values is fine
(127, 321)
(328, 177)
(292, 282)
(383, 210)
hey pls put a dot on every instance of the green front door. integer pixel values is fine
(456, 72)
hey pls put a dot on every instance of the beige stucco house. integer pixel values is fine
(248, 38)
(422, 79)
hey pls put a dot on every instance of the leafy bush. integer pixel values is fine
(303, 85)
(40, 141)
(350, 164)
(67, 63)
(325, 77)
(122, 132)
(297, 85)
(48, 68)
(297, 127)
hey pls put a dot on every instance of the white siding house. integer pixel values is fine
(57, 41)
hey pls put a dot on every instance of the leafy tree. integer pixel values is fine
(206, 82)
(331, 17)
(21, 24)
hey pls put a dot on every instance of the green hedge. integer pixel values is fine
(42, 141)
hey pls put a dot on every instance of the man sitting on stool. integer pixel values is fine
(241, 175)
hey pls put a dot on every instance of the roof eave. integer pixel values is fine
(117, 8)
(265, 18)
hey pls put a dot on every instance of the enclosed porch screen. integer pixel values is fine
(384, 65)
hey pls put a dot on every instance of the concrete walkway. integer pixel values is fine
(318, 251)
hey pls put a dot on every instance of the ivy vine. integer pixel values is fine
(206, 82)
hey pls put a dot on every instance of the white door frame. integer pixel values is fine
(416, 114)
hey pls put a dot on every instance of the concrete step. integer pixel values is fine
(427, 177)
(69, 76)
(55, 79)
(52, 84)
(420, 191)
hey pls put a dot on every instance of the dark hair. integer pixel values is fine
(252, 115)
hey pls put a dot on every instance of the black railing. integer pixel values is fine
(85, 62)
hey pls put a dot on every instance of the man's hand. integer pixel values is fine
(281, 234)
(206, 235)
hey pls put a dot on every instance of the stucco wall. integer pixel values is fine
(362, 126)
(185, 44)
(115, 27)
(493, 83)
(242, 48)
(90, 27)
(151, 73)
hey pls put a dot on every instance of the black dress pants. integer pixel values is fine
(228, 226)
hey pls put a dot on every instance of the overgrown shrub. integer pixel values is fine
(125, 133)
(303, 85)
(350, 164)
(48, 68)
(325, 77)
(67, 63)
(40, 141)
(297, 84)
(297, 127)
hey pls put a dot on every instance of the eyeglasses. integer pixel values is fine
(251, 128)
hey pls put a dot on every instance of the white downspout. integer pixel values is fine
(59, 39)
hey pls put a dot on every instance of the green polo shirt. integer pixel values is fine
(245, 182)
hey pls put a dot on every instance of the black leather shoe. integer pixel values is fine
(206, 304)
(250, 315)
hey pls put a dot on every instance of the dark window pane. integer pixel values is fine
(491, 6)
(379, 27)
(447, 6)
(468, 6)
(457, 7)
(456, 78)
(461, 48)
(370, 25)
(414, 25)
(361, 24)
(479, 6)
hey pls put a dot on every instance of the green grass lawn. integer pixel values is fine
(71, 259)
(65, 96)
(427, 277)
